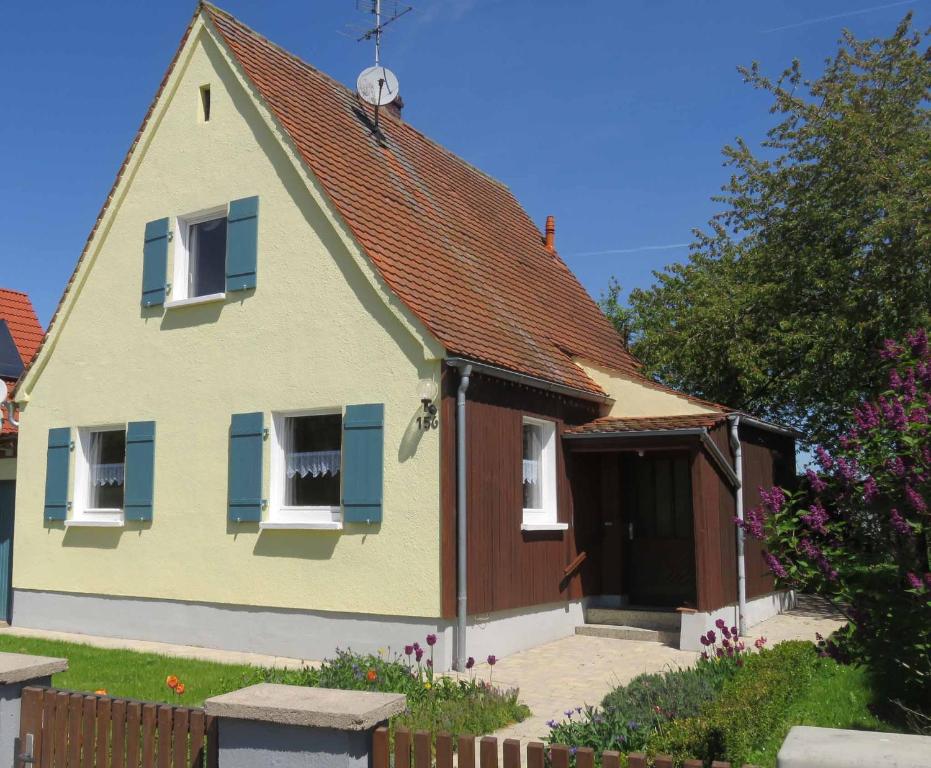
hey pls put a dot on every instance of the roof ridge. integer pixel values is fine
(408, 126)
(13, 290)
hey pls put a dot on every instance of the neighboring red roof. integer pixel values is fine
(610, 425)
(26, 330)
(450, 241)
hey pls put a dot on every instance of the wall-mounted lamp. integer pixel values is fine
(427, 391)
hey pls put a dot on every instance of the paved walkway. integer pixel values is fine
(163, 649)
(580, 670)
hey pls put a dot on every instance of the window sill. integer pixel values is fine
(83, 523)
(333, 525)
(195, 300)
(544, 526)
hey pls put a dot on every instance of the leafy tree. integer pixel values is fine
(858, 531)
(822, 250)
(617, 312)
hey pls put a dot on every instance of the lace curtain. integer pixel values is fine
(313, 463)
(531, 471)
(107, 474)
(103, 474)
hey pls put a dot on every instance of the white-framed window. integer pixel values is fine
(100, 474)
(306, 476)
(538, 472)
(200, 256)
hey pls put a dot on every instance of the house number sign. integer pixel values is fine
(428, 420)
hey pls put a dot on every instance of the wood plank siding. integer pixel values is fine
(596, 494)
(768, 458)
(507, 568)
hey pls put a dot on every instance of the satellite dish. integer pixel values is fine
(377, 85)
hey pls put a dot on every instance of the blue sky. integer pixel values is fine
(609, 114)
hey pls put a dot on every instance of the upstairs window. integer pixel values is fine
(205, 103)
(100, 473)
(538, 472)
(307, 468)
(200, 268)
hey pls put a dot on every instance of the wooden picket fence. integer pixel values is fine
(63, 729)
(417, 751)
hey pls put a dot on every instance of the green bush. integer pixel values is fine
(750, 706)
(652, 699)
(630, 714)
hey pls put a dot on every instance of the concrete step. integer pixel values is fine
(668, 621)
(616, 632)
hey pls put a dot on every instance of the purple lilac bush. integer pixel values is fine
(857, 529)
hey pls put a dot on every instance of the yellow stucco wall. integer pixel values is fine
(634, 399)
(7, 469)
(314, 334)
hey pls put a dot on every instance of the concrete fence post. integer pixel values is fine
(286, 726)
(17, 671)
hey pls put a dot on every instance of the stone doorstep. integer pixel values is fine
(309, 707)
(643, 618)
(20, 667)
(617, 632)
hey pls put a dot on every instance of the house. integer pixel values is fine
(20, 336)
(299, 351)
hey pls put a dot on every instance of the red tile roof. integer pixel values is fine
(26, 330)
(611, 425)
(450, 241)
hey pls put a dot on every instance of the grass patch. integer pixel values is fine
(132, 674)
(435, 704)
(838, 697)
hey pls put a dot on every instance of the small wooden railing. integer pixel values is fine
(64, 729)
(416, 750)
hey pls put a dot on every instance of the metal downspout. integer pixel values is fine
(461, 551)
(739, 510)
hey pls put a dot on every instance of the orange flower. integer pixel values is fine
(172, 681)
(101, 692)
(372, 675)
(179, 688)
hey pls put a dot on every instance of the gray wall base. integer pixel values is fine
(310, 635)
(250, 743)
(274, 631)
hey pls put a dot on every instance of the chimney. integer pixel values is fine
(549, 241)
(395, 107)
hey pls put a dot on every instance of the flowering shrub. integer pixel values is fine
(857, 531)
(724, 651)
(434, 702)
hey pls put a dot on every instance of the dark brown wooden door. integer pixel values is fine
(660, 546)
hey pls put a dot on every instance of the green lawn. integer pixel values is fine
(134, 675)
(838, 697)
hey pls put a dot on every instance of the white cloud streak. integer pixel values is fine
(639, 249)
(845, 15)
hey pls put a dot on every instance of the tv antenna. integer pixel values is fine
(378, 85)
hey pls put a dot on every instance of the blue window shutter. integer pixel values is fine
(242, 239)
(245, 470)
(363, 463)
(154, 263)
(56, 473)
(140, 470)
